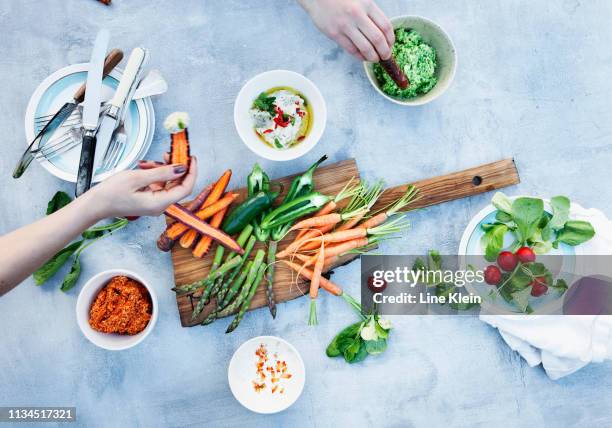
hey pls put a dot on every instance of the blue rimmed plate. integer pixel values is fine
(471, 252)
(59, 88)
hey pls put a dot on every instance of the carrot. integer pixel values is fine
(311, 234)
(338, 250)
(178, 229)
(344, 235)
(164, 242)
(406, 199)
(205, 213)
(179, 148)
(319, 221)
(328, 208)
(350, 223)
(302, 257)
(205, 242)
(325, 283)
(314, 282)
(374, 221)
(181, 214)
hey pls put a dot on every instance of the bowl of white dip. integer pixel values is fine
(280, 115)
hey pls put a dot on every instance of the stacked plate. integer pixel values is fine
(59, 88)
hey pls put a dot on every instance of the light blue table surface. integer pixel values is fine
(533, 82)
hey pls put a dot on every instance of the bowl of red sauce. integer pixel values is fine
(116, 309)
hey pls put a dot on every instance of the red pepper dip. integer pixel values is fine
(123, 306)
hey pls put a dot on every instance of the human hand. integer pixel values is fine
(359, 26)
(147, 191)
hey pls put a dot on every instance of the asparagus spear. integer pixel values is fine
(243, 259)
(247, 301)
(270, 277)
(238, 282)
(210, 284)
(231, 308)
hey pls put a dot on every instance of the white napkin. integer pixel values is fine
(563, 344)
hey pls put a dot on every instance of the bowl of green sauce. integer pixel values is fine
(426, 55)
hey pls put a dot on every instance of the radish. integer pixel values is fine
(538, 286)
(525, 255)
(492, 275)
(507, 260)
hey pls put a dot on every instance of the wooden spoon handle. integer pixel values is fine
(113, 58)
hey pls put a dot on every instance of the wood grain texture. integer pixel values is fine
(444, 188)
(330, 180)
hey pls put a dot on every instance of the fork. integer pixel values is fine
(115, 150)
(72, 138)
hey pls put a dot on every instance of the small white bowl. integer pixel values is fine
(242, 371)
(446, 58)
(263, 82)
(112, 342)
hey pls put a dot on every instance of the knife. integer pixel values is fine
(119, 103)
(113, 58)
(91, 112)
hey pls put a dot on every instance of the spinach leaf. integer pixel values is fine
(374, 347)
(521, 298)
(502, 203)
(361, 353)
(503, 217)
(575, 232)
(71, 278)
(381, 332)
(54, 264)
(343, 340)
(560, 286)
(527, 212)
(561, 208)
(493, 241)
(434, 261)
(352, 349)
(58, 201)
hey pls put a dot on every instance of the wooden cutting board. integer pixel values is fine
(330, 180)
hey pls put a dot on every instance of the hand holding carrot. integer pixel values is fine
(141, 192)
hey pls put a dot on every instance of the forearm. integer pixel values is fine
(26, 249)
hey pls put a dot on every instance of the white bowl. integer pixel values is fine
(112, 342)
(242, 371)
(263, 82)
(446, 58)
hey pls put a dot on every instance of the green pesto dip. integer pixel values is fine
(416, 59)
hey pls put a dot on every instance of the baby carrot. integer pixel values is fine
(338, 250)
(350, 223)
(177, 230)
(205, 242)
(319, 221)
(325, 283)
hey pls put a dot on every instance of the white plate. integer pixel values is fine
(263, 82)
(59, 88)
(242, 371)
(470, 250)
